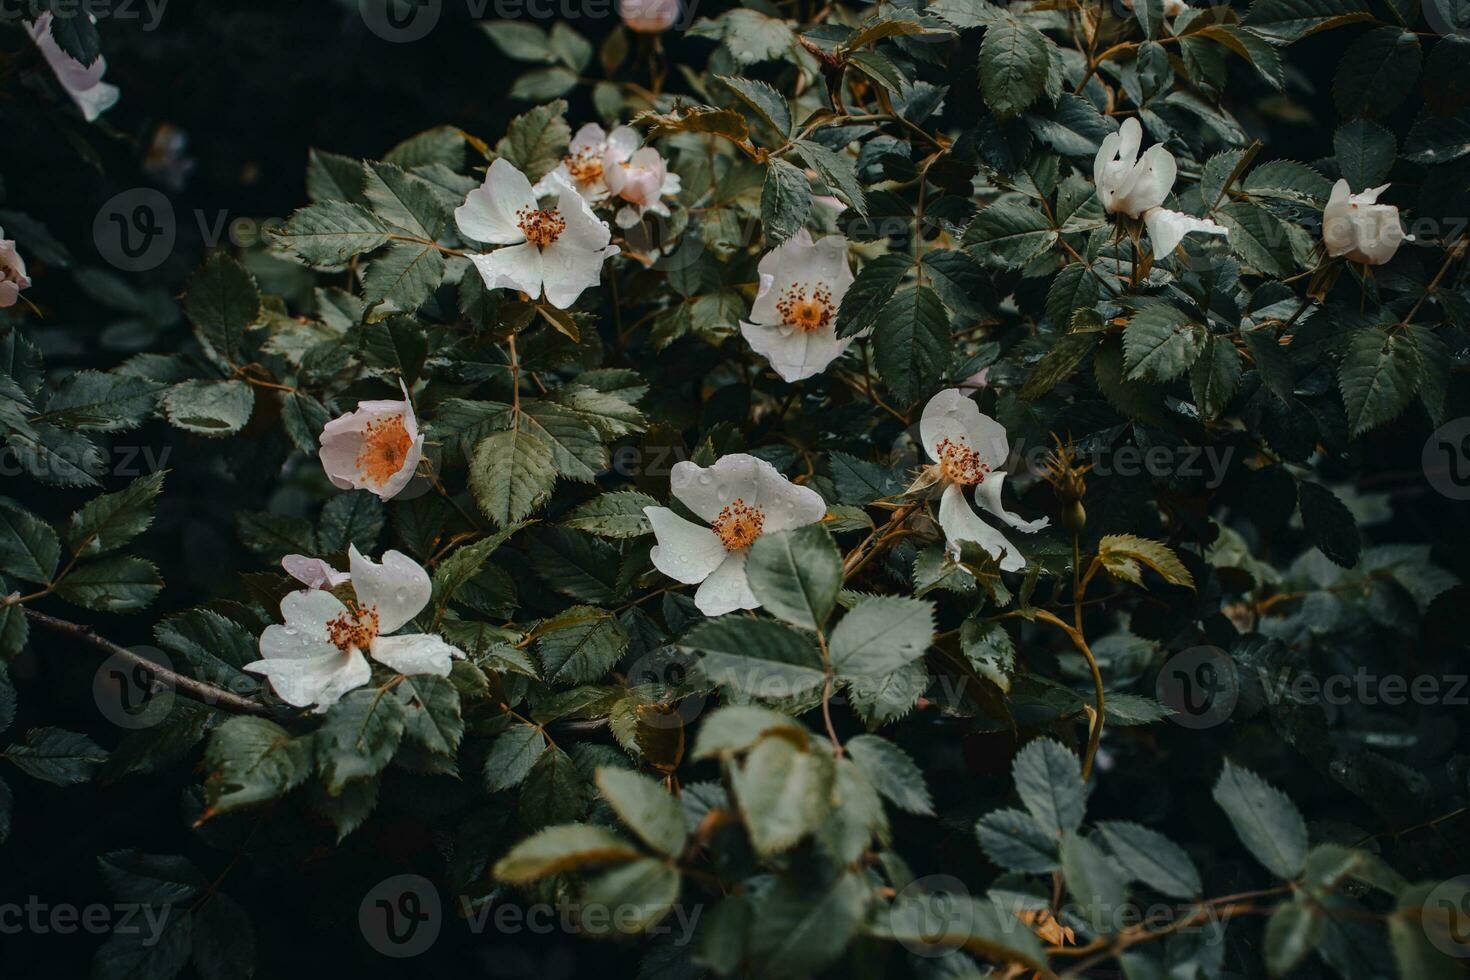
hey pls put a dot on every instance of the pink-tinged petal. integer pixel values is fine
(590, 138)
(622, 143)
(314, 573)
(416, 653)
(727, 588)
(960, 523)
(952, 415)
(490, 212)
(686, 552)
(397, 586)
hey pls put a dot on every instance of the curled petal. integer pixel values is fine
(960, 523)
(416, 653)
(398, 586)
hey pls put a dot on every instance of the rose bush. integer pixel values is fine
(813, 495)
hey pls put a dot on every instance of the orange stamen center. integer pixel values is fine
(961, 464)
(739, 524)
(541, 226)
(585, 166)
(385, 447)
(357, 627)
(807, 313)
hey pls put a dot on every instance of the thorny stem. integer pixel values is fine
(206, 693)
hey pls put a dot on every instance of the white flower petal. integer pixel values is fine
(398, 586)
(584, 228)
(686, 552)
(952, 415)
(960, 523)
(795, 354)
(570, 269)
(1166, 229)
(319, 680)
(987, 495)
(307, 612)
(591, 137)
(727, 589)
(416, 653)
(759, 484)
(622, 143)
(763, 310)
(314, 573)
(514, 267)
(488, 213)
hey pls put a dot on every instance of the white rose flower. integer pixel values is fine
(970, 448)
(377, 447)
(649, 16)
(641, 178)
(793, 322)
(13, 276)
(1358, 227)
(321, 652)
(559, 248)
(1172, 8)
(314, 573)
(1138, 187)
(584, 164)
(741, 497)
(82, 82)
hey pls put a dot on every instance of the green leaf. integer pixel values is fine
(110, 521)
(803, 926)
(252, 760)
(1365, 152)
(1376, 72)
(1291, 933)
(215, 648)
(1121, 555)
(1160, 343)
(512, 756)
(612, 515)
(1292, 20)
(358, 738)
(646, 808)
(637, 895)
(150, 879)
(29, 548)
(1008, 234)
(332, 177)
(431, 713)
(737, 727)
(580, 645)
(222, 300)
(116, 583)
(535, 142)
(1265, 819)
(882, 635)
(1095, 881)
(568, 847)
(1049, 782)
(786, 201)
(511, 474)
(912, 343)
(1438, 139)
(1215, 376)
(764, 100)
(796, 575)
(519, 40)
(870, 292)
(92, 401)
(1014, 62)
(1015, 841)
(838, 171)
(1065, 355)
(404, 276)
(892, 773)
(326, 235)
(1379, 376)
(783, 793)
(57, 756)
(1329, 524)
(1260, 238)
(463, 564)
(210, 408)
(350, 519)
(1150, 857)
(757, 657)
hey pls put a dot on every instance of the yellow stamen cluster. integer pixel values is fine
(807, 313)
(541, 226)
(739, 524)
(356, 627)
(961, 464)
(385, 447)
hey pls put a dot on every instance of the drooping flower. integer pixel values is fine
(377, 447)
(82, 82)
(640, 178)
(793, 322)
(559, 248)
(741, 497)
(1138, 187)
(13, 276)
(1358, 227)
(649, 16)
(314, 573)
(585, 163)
(969, 448)
(321, 651)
